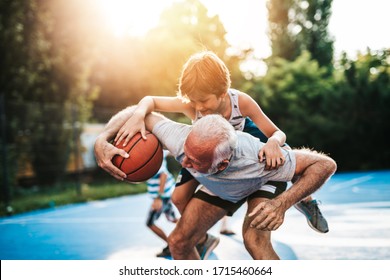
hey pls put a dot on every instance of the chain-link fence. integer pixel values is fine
(44, 145)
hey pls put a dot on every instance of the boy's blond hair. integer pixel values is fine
(204, 73)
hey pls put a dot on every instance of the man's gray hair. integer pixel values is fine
(215, 128)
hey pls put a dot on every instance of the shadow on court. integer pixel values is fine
(356, 205)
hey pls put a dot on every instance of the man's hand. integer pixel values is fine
(268, 215)
(104, 152)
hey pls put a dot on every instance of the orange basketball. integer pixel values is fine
(145, 157)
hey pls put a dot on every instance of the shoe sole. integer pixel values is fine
(210, 249)
(308, 221)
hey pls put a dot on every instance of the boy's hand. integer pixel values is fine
(272, 154)
(133, 125)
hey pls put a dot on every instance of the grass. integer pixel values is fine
(34, 198)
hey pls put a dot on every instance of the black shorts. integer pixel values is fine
(232, 207)
(183, 177)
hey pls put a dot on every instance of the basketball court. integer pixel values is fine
(356, 205)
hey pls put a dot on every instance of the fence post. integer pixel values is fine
(76, 136)
(6, 190)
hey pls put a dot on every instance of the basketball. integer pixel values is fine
(145, 157)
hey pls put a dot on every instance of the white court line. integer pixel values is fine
(361, 225)
(297, 239)
(86, 220)
(349, 183)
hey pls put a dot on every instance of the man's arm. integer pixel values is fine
(105, 151)
(312, 171)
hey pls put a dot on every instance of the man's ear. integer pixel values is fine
(223, 164)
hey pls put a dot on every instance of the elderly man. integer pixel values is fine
(225, 162)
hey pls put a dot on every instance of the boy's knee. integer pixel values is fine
(175, 198)
(178, 201)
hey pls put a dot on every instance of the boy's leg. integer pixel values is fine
(182, 194)
(169, 211)
(150, 223)
(184, 189)
(153, 216)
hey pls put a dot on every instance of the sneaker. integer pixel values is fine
(207, 247)
(165, 253)
(313, 215)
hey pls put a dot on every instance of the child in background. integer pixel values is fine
(204, 88)
(160, 188)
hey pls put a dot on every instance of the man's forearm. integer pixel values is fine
(313, 176)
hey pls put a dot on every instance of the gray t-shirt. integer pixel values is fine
(244, 175)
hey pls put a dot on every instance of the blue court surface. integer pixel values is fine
(356, 205)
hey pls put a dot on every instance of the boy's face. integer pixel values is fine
(207, 103)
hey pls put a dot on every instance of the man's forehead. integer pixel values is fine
(196, 149)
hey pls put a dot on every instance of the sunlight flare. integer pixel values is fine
(129, 17)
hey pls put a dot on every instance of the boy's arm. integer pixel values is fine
(157, 203)
(276, 138)
(163, 180)
(147, 105)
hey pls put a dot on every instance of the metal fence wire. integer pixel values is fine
(43, 143)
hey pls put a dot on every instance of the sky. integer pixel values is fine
(354, 24)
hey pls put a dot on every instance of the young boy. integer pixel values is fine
(204, 88)
(160, 188)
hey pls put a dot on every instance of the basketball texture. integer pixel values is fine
(145, 157)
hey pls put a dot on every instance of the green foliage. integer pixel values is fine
(42, 69)
(296, 26)
(136, 67)
(297, 93)
(362, 100)
(312, 18)
(61, 66)
(283, 43)
(344, 115)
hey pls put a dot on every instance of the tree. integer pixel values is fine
(45, 73)
(312, 18)
(283, 42)
(183, 29)
(152, 65)
(361, 105)
(296, 26)
(295, 97)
